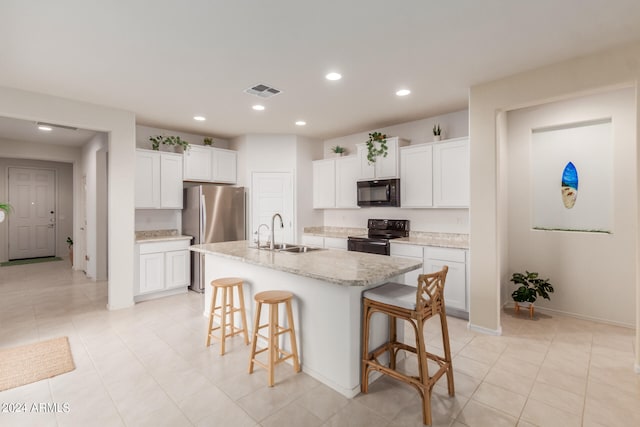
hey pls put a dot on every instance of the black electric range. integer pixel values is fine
(380, 231)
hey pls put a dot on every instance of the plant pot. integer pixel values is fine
(339, 154)
(437, 137)
(525, 305)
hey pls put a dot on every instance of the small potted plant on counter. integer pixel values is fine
(168, 140)
(530, 286)
(338, 150)
(437, 132)
(376, 146)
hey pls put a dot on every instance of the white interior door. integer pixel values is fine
(32, 224)
(271, 193)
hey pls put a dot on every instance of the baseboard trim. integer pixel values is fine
(483, 330)
(511, 304)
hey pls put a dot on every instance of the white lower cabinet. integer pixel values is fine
(163, 268)
(455, 288)
(433, 259)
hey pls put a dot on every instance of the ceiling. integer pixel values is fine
(169, 61)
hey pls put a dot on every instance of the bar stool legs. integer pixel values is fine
(227, 311)
(275, 354)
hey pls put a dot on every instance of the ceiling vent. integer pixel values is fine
(262, 90)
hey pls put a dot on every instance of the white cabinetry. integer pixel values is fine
(162, 268)
(208, 164)
(384, 167)
(416, 176)
(334, 183)
(435, 174)
(451, 173)
(455, 288)
(408, 251)
(158, 180)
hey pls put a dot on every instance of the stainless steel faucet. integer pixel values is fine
(273, 220)
(258, 232)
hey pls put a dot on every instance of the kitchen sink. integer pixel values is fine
(299, 249)
(284, 246)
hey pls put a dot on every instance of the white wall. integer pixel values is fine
(158, 219)
(580, 76)
(281, 153)
(64, 190)
(120, 126)
(144, 132)
(453, 125)
(583, 267)
(94, 170)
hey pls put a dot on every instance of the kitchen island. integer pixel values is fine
(327, 286)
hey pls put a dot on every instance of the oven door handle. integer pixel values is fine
(377, 243)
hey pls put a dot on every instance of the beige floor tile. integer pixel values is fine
(264, 402)
(354, 414)
(479, 353)
(386, 397)
(541, 414)
(322, 402)
(509, 381)
(552, 376)
(517, 366)
(470, 367)
(558, 398)
(465, 385)
(475, 414)
(500, 398)
(292, 415)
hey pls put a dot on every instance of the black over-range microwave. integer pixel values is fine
(380, 192)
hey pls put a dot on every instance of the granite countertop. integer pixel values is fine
(159, 236)
(422, 238)
(334, 266)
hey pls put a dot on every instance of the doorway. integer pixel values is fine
(271, 193)
(32, 225)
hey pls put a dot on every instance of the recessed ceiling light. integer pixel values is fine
(45, 128)
(199, 118)
(333, 76)
(301, 123)
(258, 107)
(403, 92)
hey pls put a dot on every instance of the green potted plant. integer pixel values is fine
(437, 132)
(5, 208)
(530, 286)
(208, 141)
(376, 146)
(168, 140)
(338, 150)
(70, 246)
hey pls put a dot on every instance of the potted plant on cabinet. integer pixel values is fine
(168, 140)
(5, 208)
(530, 286)
(376, 146)
(70, 245)
(208, 141)
(338, 150)
(437, 132)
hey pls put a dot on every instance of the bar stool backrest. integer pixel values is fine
(430, 295)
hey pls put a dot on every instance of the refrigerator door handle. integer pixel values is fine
(203, 217)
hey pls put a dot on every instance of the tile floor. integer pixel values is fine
(148, 366)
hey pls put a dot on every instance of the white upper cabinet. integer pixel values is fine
(451, 173)
(435, 174)
(224, 165)
(346, 182)
(334, 183)
(324, 184)
(158, 180)
(208, 164)
(197, 162)
(384, 167)
(416, 176)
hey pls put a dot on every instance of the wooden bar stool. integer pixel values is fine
(415, 306)
(275, 354)
(227, 311)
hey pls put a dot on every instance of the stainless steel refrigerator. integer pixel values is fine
(211, 213)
